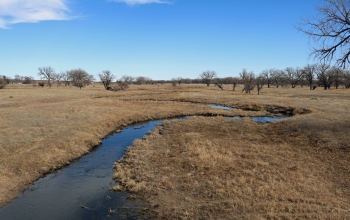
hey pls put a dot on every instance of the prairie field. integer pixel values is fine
(199, 168)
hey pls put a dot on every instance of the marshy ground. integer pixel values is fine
(198, 168)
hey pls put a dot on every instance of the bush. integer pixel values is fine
(120, 86)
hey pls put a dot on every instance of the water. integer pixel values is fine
(220, 107)
(82, 189)
(84, 183)
(265, 119)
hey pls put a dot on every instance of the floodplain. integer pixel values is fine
(202, 167)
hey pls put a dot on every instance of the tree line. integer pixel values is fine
(312, 75)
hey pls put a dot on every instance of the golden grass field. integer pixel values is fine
(298, 168)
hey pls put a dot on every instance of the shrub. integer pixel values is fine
(120, 86)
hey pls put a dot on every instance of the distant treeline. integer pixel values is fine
(313, 76)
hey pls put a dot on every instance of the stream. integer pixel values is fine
(82, 189)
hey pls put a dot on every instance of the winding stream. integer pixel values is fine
(81, 190)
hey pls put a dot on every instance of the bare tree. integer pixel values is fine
(149, 80)
(247, 80)
(79, 77)
(260, 81)
(346, 78)
(234, 85)
(22, 79)
(186, 80)
(179, 80)
(294, 75)
(58, 78)
(89, 79)
(277, 76)
(218, 82)
(106, 78)
(325, 76)
(174, 82)
(47, 73)
(67, 78)
(207, 76)
(6, 79)
(309, 74)
(140, 80)
(338, 77)
(233, 81)
(330, 31)
(127, 79)
(267, 75)
(27, 79)
(17, 79)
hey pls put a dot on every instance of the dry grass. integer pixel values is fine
(217, 168)
(43, 129)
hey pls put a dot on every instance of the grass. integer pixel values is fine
(43, 129)
(217, 168)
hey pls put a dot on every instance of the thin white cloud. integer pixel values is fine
(140, 2)
(31, 11)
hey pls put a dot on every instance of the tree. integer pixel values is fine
(89, 79)
(324, 75)
(79, 77)
(267, 75)
(140, 80)
(106, 78)
(346, 78)
(309, 74)
(330, 31)
(207, 76)
(27, 79)
(47, 73)
(123, 83)
(174, 82)
(186, 80)
(260, 81)
(58, 78)
(127, 79)
(67, 78)
(293, 75)
(218, 82)
(277, 76)
(338, 76)
(247, 80)
(149, 80)
(179, 80)
(17, 79)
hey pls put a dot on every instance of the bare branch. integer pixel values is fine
(330, 31)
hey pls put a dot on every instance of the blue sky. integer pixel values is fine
(154, 38)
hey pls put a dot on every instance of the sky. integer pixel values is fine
(159, 39)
